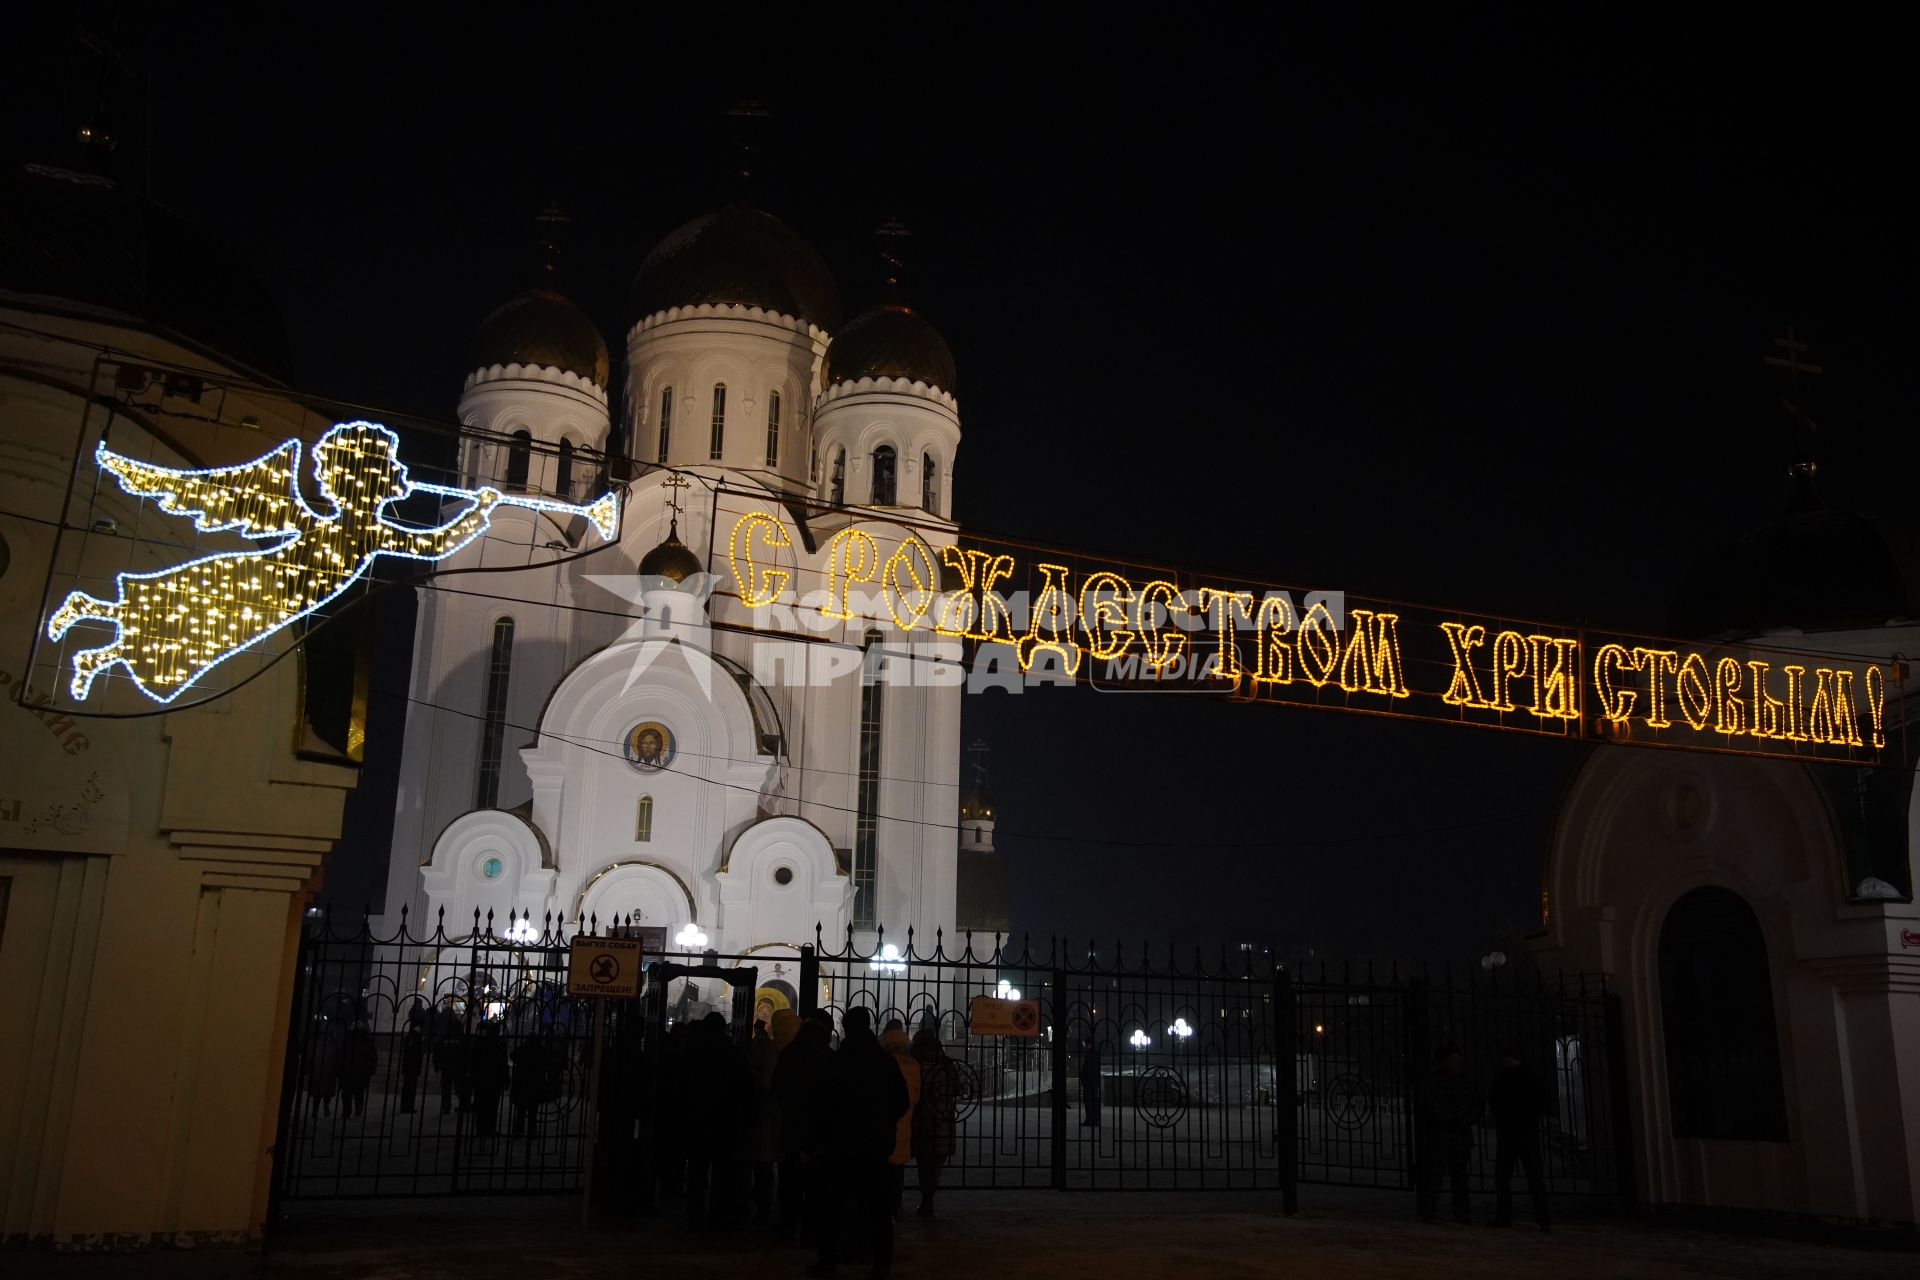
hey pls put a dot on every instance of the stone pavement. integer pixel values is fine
(1005, 1236)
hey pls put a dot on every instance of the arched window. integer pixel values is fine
(929, 484)
(563, 472)
(643, 819)
(837, 490)
(666, 422)
(773, 428)
(519, 455)
(493, 727)
(1716, 1012)
(716, 445)
(866, 824)
(883, 468)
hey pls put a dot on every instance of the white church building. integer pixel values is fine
(597, 736)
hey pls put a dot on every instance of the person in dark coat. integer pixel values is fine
(528, 1088)
(413, 1057)
(796, 1083)
(489, 1069)
(722, 1105)
(357, 1062)
(861, 1099)
(1516, 1101)
(1450, 1106)
(323, 1068)
(933, 1115)
(1090, 1083)
(670, 1124)
(450, 1059)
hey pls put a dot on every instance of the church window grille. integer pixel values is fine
(929, 484)
(643, 820)
(717, 442)
(979, 837)
(866, 832)
(563, 472)
(666, 422)
(837, 491)
(493, 727)
(1716, 1012)
(773, 429)
(883, 470)
(519, 457)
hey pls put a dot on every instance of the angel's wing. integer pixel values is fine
(257, 498)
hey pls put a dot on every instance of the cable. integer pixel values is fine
(590, 744)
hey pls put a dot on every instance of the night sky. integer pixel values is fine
(1471, 316)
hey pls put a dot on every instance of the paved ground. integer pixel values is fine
(1007, 1236)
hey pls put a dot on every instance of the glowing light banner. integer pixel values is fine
(1061, 617)
(174, 625)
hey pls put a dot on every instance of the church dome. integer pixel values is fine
(672, 559)
(738, 255)
(978, 804)
(1812, 568)
(890, 341)
(84, 240)
(542, 328)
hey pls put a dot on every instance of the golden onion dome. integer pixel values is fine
(742, 256)
(542, 328)
(890, 341)
(672, 559)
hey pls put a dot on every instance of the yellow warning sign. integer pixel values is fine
(604, 967)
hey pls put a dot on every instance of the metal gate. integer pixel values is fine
(448, 1066)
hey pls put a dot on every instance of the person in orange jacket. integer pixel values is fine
(894, 1041)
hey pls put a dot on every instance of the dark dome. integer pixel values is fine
(890, 341)
(1813, 567)
(737, 255)
(671, 559)
(542, 328)
(82, 239)
(978, 803)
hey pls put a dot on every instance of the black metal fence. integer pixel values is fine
(444, 1065)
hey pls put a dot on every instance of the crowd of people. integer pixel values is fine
(805, 1140)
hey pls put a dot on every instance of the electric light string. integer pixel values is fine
(167, 641)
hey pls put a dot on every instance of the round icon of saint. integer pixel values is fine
(649, 746)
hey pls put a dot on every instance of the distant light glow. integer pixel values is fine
(889, 960)
(1007, 991)
(1139, 1039)
(1180, 1029)
(691, 937)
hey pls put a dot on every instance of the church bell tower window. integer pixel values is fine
(519, 457)
(866, 833)
(666, 422)
(563, 472)
(929, 484)
(717, 444)
(883, 476)
(643, 820)
(493, 728)
(773, 428)
(837, 490)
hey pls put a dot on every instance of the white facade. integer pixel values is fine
(754, 829)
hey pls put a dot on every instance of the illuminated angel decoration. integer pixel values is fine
(176, 624)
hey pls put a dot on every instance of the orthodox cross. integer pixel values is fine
(673, 485)
(1791, 356)
(1792, 360)
(979, 750)
(893, 236)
